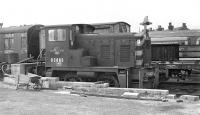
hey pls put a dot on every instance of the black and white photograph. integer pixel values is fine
(99, 57)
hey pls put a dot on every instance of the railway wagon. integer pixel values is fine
(75, 53)
(177, 55)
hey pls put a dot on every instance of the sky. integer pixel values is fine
(51, 12)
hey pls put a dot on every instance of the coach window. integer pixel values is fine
(6, 43)
(9, 41)
(12, 43)
(23, 40)
(198, 41)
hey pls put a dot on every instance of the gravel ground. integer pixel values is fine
(48, 102)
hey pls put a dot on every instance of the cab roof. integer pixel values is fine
(110, 23)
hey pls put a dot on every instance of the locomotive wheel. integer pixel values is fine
(109, 79)
(71, 77)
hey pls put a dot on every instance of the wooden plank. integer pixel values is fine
(190, 97)
(61, 84)
(118, 97)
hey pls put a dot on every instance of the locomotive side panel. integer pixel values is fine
(110, 50)
(101, 48)
(125, 52)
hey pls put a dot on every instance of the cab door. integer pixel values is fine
(57, 46)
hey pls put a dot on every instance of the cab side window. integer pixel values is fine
(57, 34)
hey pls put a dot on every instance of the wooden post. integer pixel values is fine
(17, 85)
(156, 81)
(127, 78)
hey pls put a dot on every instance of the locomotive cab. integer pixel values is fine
(61, 44)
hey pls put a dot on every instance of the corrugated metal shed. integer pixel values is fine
(168, 40)
(193, 36)
(175, 33)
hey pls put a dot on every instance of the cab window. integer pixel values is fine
(57, 34)
(51, 34)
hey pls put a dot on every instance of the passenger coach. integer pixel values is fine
(19, 43)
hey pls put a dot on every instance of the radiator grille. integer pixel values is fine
(105, 52)
(124, 53)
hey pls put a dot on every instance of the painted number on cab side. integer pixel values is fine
(57, 60)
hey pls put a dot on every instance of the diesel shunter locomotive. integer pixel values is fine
(75, 53)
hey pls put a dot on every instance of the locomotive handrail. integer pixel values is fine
(40, 55)
(25, 60)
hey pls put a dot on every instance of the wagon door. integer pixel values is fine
(124, 52)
